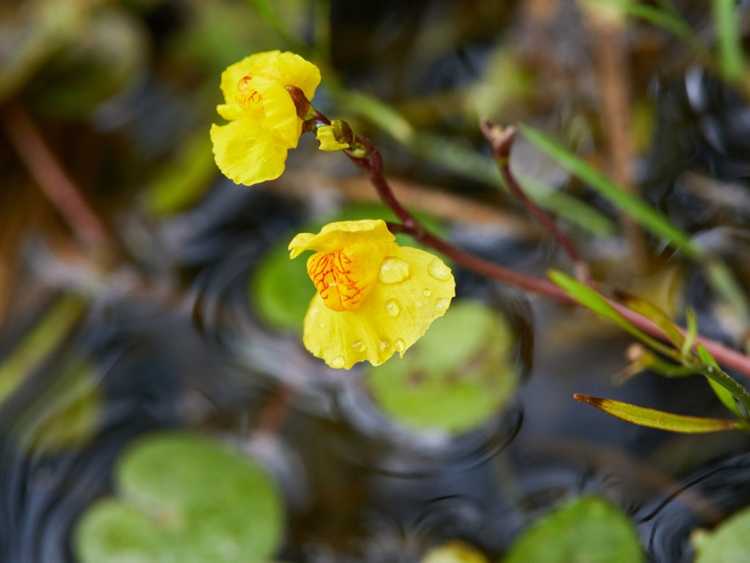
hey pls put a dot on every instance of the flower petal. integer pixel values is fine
(280, 113)
(392, 318)
(230, 112)
(289, 69)
(233, 98)
(246, 154)
(340, 234)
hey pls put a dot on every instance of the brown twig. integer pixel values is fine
(501, 140)
(53, 180)
(610, 53)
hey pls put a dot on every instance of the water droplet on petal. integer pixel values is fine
(393, 270)
(358, 345)
(383, 345)
(442, 303)
(400, 346)
(392, 308)
(439, 270)
(427, 293)
(337, 362)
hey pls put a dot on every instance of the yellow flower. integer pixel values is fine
(263, 122)
(327, 139)
(374, 297)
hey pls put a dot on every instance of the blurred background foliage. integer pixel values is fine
(141, 292)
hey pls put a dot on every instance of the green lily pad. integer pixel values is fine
(727, 544)
(183, 498)
(279, 288)
(583, 530)
(456, 377)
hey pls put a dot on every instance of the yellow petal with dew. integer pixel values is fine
(247, 154)
(340, 234)
(414, 288)
(327, 139)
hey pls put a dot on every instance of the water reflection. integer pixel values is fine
(702, 500)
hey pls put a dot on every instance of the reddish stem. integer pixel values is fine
(501, 141)
(52, 179)
(373, 164)
(364, 154)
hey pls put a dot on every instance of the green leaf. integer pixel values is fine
(661, 420)
(658, 317)
(691, 334)
(727, 21)
(731, 393)
(36, 346)
(66, 414)
(726, 398)
(184, 179)
(455, 378)
(667, 20)
(114, 532)
(184, 498)
(583, 530)
(280, 290)
(635, 207)
(593, 300)
(727, 544)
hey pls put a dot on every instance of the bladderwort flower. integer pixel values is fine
(374, 297)
(263, 121)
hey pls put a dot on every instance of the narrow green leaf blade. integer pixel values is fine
(652, 418)
(666, 20)
(727, 24)
(593, 300)
(730, 392)
(643, 213)
(691, 334)
(658, 317)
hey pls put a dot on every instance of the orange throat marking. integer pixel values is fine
(331, 273)
(246, 94)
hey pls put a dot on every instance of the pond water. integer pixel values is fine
(191, 325)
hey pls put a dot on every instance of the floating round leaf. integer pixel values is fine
(280, 291)
(204, 501)
(584, 530)
(114, 532)
(455, 378)
(727, 544)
